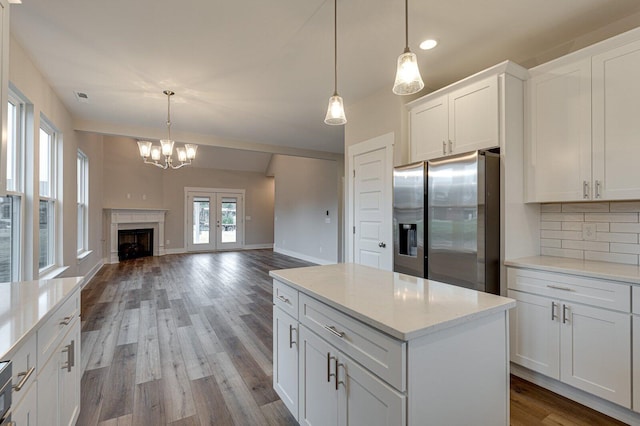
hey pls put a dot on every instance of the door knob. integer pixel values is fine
(381, 244)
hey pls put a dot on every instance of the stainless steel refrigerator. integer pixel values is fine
(460, 224)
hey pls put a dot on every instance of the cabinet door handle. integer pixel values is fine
(72, 353)
(329, 374)
(25, 376)
(284, 299)
(333, 330)
(565, 308)
(598, 189)
(556, 287)
(444, 148)
(291, 342)
(553, 311)
(337, 366)
(66, 320)
(69, 349)
(585, 189)
(450, 147)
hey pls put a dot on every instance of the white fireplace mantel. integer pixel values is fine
(131, 219)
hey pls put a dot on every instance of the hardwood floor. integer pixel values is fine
(186, 340)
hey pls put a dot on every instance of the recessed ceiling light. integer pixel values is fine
(428, 44)
(81, 96)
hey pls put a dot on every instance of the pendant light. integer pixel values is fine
(335, 110)
(185, 154)
(408, 80)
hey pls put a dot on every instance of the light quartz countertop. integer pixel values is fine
(26, 305)
(586, 268)
(399, 305)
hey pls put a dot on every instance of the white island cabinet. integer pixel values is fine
(354, 345)
(40, 324)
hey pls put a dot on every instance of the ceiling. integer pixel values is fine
(262, 71)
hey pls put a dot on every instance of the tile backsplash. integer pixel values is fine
(593, 231)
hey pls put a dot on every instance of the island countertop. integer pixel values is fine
(25, 305)
(399, 305)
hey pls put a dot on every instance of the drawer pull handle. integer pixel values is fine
(284, 299)
(66, 320)
(333, 330)
(560, 288)
(25, 376)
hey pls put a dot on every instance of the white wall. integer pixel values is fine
(305, 189)
(26, 77)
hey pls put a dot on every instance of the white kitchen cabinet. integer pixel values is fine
(616, 103)
(285, 359)
(69, 377)
(25, 413)
(462, 117)
(336, 390)
(582, 124)
(588, 347)
(559, 154)
(635, 308)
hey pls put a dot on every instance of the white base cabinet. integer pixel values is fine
(25, 413)
(285, 359)
(585, 346)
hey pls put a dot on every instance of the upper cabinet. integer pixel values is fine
(582, 124)
(462, 117)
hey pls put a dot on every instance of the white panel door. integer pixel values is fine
(285, 359)
(535, 333)
(616, 123)
(473, 116)
(373, 244)
(318, 397)
(229, 221)
(365, 400)
(596, 352)
(201, 215)
(559, 157)
(430, 129)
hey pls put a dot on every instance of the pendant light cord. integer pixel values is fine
(406, 26)
(335, 47)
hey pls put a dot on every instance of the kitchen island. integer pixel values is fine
(357, 345)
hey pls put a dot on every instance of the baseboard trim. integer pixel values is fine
(182, 250)
(92, 273)
(179, 250)
(609, 408)
(303, 256)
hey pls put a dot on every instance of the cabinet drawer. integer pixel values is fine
(55, 328)
(24, 368)
(635, 302)
(286, 298)
(589, 291)
(379, 353)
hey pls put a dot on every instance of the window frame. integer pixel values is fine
(82, 240)
(52, 136)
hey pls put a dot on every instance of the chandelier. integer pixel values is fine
(185, 153)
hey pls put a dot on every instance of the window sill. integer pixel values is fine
(83, 255)
(52, 273)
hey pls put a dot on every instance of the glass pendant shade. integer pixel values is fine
(156, 152)
(167, 147)
(408, 79)
(182, 154)
(335, 111)
(145, 148)
(191, 151)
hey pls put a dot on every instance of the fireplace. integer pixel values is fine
(134, 243)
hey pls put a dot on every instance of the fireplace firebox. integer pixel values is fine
(135, 243)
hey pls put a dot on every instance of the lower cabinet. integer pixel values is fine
(336, 390)
(285, 359)
(25, 413)
(584, 346)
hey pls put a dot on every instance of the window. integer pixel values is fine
(83, 202)
(47, 207)
(11, 204)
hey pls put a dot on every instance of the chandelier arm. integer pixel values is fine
(154, 163)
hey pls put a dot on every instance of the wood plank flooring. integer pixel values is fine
(186, 340)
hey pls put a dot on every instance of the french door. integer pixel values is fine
(214, 220)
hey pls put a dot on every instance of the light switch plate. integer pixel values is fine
(589, 231)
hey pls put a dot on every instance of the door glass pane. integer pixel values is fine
(228, 220)
(201, 220)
